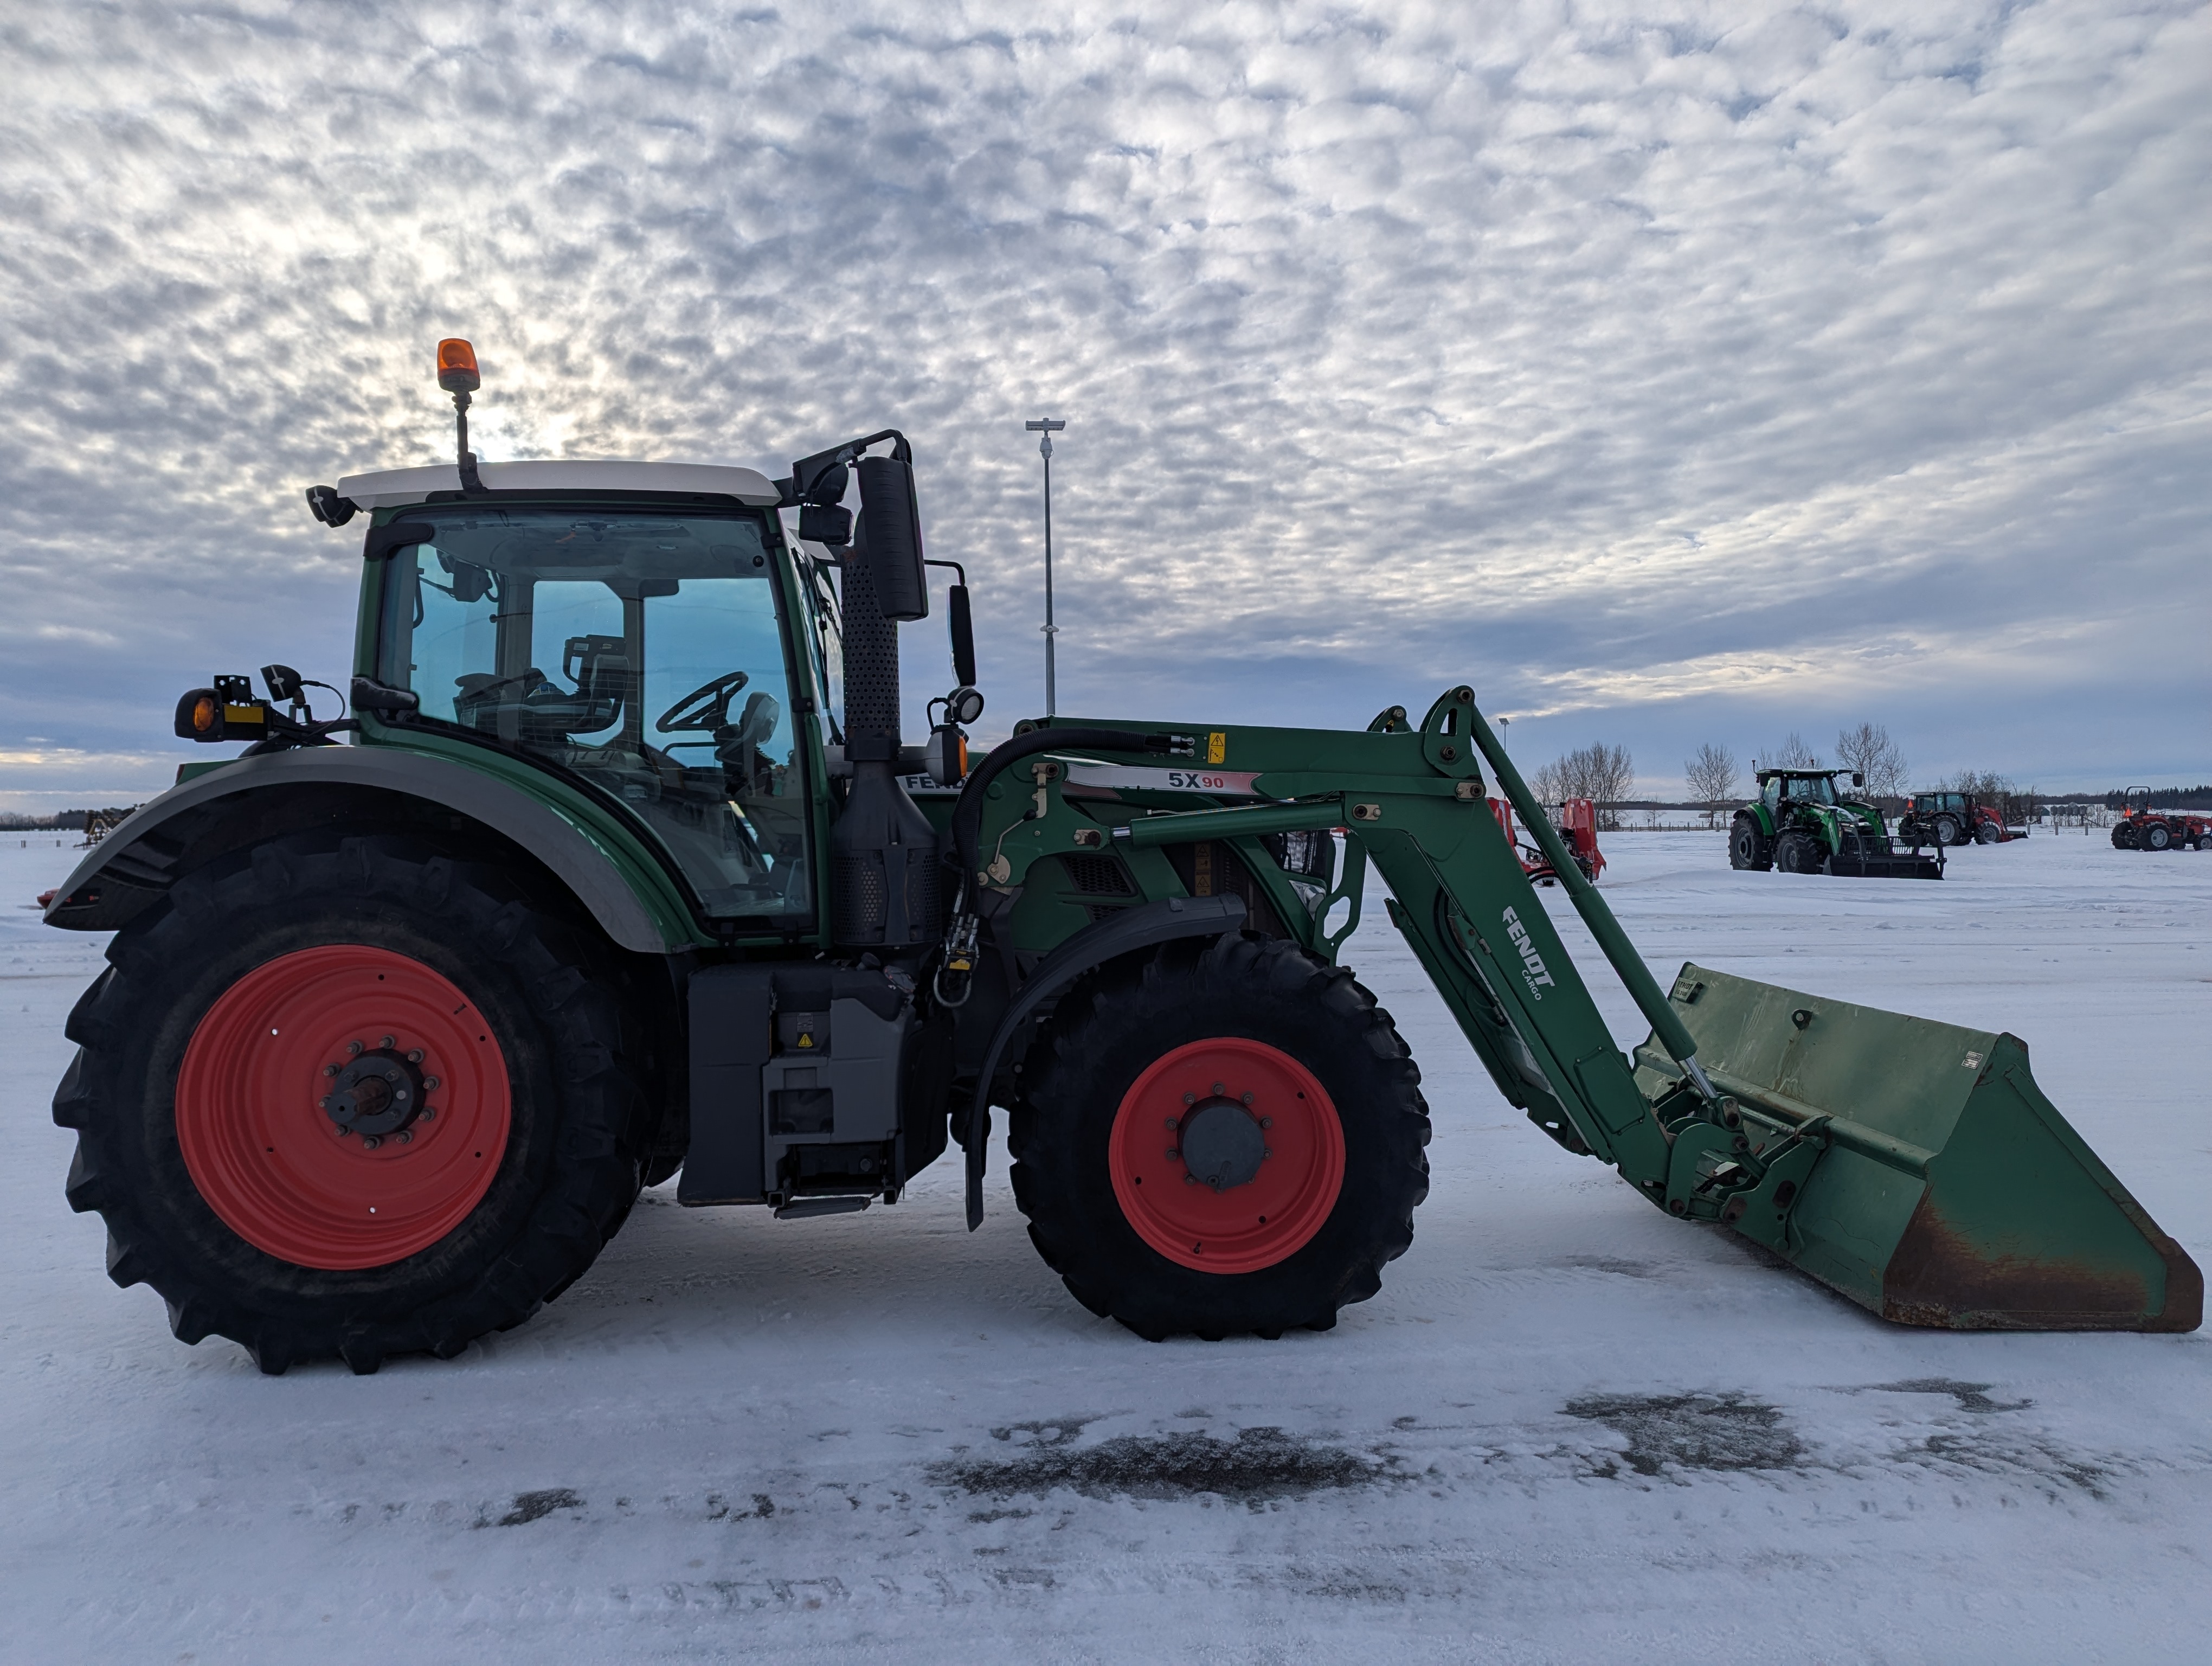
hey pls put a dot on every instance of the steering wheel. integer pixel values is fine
(705, 707)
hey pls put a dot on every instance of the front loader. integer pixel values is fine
(629, 873)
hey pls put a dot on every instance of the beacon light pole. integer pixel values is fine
(1047, 426)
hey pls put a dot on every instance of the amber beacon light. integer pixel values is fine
(457, 367)
(456, 374)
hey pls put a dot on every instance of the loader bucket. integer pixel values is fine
(1862, 856)
(1946, 1189)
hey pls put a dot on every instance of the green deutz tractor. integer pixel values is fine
(1803, 822)
(622, 870)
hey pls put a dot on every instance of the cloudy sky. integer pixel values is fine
(1670, 372)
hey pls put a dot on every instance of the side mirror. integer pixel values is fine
(964, 638)
(893, 522)
(1857, 780)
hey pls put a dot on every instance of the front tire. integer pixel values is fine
(352, 1097)
(1988, 833)
(1225, 1140)
(1797, 851)
(2157, 835)
(1749, 848)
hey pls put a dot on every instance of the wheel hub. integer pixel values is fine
(1223, 1145)
(343, 1107)
(1226, 1155)
(377, 1092)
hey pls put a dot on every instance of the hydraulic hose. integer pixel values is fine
(968, 813)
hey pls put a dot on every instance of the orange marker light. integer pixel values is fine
(457, 367)
(204, 714)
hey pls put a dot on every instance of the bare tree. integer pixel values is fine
(1868, 750)
(1711, 777)
(1982, 783)
(1604, 774)
(1792, 754)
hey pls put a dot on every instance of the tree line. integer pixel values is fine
(1717, 780)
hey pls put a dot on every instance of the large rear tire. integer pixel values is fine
(1226, 1140)
(352, 1097)
(1947, 830)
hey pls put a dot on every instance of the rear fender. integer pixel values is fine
(258, 798)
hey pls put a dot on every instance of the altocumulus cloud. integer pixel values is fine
(1668, 371)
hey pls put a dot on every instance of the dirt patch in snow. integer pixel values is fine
(1259, 1464)
(1693, 1431)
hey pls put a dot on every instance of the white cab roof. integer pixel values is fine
(388, 486)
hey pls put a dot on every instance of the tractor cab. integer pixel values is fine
(642, 647)
(1799, 786)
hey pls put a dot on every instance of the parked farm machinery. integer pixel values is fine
(2143, 826)
(1803, 822)
(1576, 821)
(1946, 820)
(619, 880)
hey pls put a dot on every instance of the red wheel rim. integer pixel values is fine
(276, 1168)
(1241, 1228)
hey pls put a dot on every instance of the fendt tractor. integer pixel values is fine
(1803, 822)
(625, 871)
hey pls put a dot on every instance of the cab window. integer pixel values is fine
(643, 652)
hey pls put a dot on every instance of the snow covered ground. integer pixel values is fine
(1570, 1429)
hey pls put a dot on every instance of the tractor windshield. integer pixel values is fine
(1809, 789)
(642, 651)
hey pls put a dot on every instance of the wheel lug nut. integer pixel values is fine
(1190, 1180)
(1267, 1121)
(1173, 1154)
(415, 1057)
(1217, 1090)
(389, 1041)
(1248, 1099)
(430, 1113)
(1190, 1098)
(330, 1070)
(353, 1049)
(405, 1138)
(429, 1082)
(370, 1142)
(1171, 1125)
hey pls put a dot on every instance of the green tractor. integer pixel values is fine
(625, 871)
(1804, 822)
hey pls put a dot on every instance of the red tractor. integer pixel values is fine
(1954, 818)
(2142, 828)
(1577, 820)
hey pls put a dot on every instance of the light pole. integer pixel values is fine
(1047, 426)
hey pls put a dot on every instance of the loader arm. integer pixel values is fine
(1910, 1165)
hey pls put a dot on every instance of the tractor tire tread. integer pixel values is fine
(586, 1175)
(1346, 1034)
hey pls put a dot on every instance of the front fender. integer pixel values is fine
(1138, 927)
(132, 868)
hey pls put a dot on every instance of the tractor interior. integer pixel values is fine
(644, 651)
